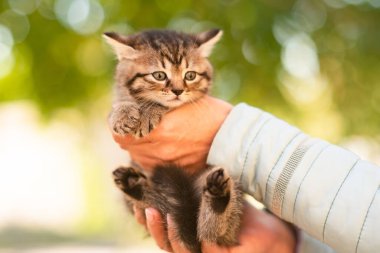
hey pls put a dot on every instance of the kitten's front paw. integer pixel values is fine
(150, 119)
(148, 123)
(125, 119)
(218, 183)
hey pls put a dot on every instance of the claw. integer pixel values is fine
(217, 183)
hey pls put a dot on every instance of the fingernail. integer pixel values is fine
(169, 220)
(149, 214)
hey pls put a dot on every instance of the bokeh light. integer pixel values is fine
(6, 46)
(299, 57)
(24, 6)
(17, 23)
(83, 16)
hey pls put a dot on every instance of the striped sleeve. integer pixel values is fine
(325, 190)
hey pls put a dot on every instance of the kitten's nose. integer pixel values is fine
(177, 92)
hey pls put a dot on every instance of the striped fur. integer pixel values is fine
(148, 54)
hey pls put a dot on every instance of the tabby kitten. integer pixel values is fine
(157, 71)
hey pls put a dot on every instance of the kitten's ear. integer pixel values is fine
(118, 43)
(208, 40)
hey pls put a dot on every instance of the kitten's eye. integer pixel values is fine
(190, 75)
(159, 75)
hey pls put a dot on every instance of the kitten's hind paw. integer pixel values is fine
(130, 181)
(218, 183)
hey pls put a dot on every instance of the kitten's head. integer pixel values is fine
(166, 67)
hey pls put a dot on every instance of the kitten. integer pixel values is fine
(157, 71)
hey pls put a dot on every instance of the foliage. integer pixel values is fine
(314, 62)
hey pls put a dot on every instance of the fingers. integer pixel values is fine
(139, 216)
(156, 228)
(176, 245)
(168, 241)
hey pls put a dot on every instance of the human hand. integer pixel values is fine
(261, 233)
(184, 135)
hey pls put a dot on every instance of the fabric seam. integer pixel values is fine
(252, 141)
(336, 194)
(365, 219)
(278, 159)
(287, 174)
(303, 179)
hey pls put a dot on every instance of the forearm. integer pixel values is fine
(323, 189)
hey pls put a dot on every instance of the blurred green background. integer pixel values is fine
(313, 63)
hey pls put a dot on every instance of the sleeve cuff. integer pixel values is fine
(231, 143)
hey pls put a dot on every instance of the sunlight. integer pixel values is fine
(299, 57)
(39, 170)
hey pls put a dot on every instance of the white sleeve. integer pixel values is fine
(325, 190)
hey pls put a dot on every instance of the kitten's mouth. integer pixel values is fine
(175, 101)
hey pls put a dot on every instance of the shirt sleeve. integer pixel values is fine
(327, 191)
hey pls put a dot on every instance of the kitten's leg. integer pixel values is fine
(134, 184)
(150, 117)
(131, 182)
(221, 208)
(125, 118)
